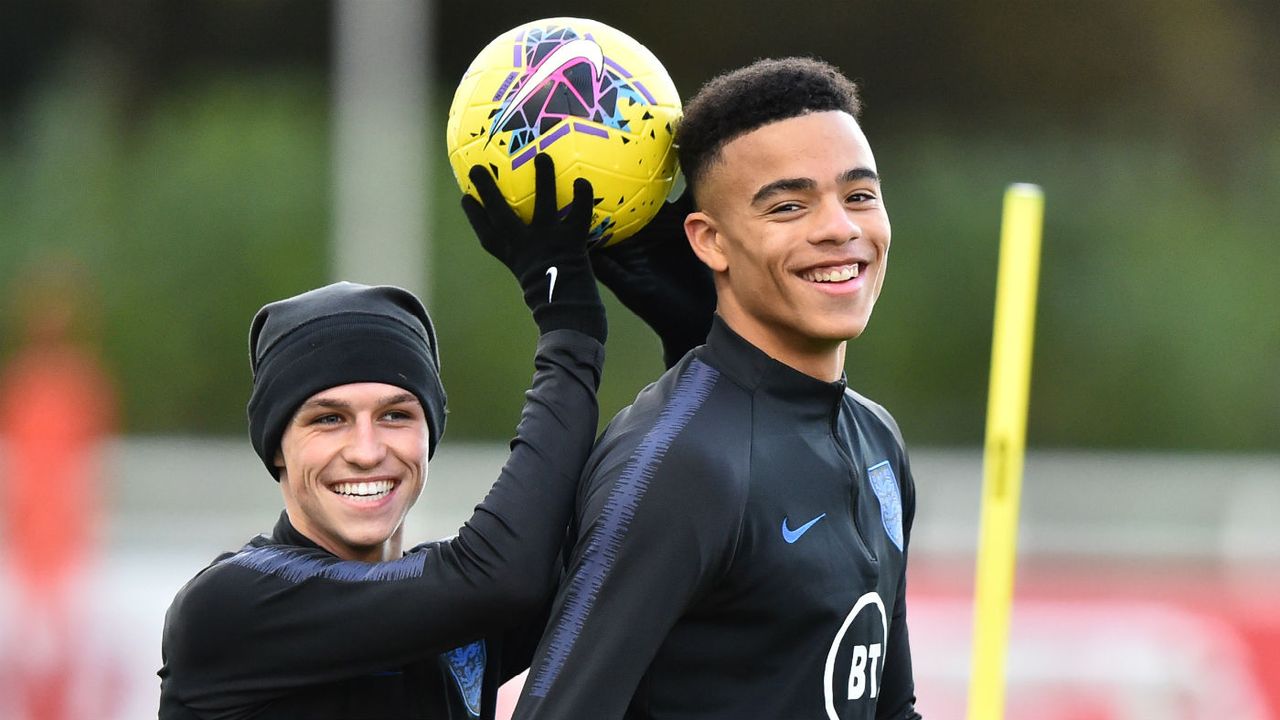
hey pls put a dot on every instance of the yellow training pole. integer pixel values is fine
(1005, 445)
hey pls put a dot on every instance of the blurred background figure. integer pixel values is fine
(56, 407)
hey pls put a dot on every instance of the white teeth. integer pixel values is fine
(840, 274)
(364, 489)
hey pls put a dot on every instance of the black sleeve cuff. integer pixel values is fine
(586, 318)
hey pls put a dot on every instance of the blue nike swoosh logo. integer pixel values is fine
(793, 535)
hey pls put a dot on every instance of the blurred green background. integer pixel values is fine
(180, 151)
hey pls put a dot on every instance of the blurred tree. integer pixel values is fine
(182, 149)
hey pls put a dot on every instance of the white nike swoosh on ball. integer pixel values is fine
(566, 54)
(553, 272)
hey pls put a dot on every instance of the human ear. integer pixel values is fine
(705, 239)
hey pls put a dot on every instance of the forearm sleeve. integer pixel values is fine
(505, 556)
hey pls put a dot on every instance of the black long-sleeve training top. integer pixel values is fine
(742, 538)
(285, 629)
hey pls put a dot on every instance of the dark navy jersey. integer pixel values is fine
(741, 544)
(285, 629)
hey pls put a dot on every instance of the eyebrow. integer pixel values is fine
(793, 184)
(781, 186)
(860, 173)
(336, 404)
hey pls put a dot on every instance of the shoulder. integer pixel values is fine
(205, 612)
(880, 418)
(673, 399)
(681, 426)
(236, 582)
(218, 583)
(876, 422)
(671, 472)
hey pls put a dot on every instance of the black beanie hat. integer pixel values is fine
(335, 335)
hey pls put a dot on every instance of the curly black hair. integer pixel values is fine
(742, 100)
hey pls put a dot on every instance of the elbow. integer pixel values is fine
(528, 592)
(502, 586)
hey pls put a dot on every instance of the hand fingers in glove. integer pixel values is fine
(479, 219)
(545, 206)
(500, 214)
(679, 208)
(495, 239)
(669, 220)
(607, 269)
(580, 211)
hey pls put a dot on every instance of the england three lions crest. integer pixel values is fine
(466, 664)
(885, 486)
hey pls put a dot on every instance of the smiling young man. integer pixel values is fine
(327, 617)
(742, 529)
(358, 454)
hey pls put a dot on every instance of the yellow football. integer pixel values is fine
(590, 96)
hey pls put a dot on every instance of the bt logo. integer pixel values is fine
(865, 659)
(860, 675)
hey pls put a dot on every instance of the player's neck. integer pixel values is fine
(393, 548)
(819, 359)
(389, 550)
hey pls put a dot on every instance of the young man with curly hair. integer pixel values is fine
(741, 534)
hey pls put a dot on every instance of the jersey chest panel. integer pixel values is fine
(802, 616)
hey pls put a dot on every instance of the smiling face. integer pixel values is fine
(792, 222)
(355, 461)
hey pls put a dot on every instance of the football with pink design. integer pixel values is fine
(590, 96)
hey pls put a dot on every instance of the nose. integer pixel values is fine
(365, 447)
(835, 223)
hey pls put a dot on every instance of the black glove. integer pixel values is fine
(549, 255)
(655, 274)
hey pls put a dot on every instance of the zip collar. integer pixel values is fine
(750, 367)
